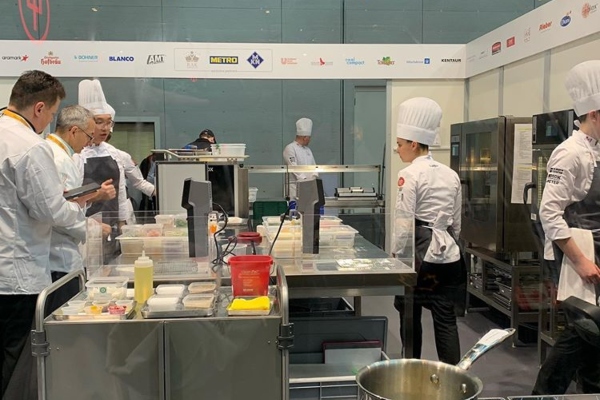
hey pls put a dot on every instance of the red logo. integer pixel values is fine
(587, 9)
(400, 181)
(35, 17)
(496, 48)
(510, 42)
(545, 26)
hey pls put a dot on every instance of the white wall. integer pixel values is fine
(484, 95)
(450, 96)
(523, 90)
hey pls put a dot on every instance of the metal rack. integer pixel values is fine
(502, 286)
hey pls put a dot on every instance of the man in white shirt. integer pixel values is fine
(571, 199)
(429, 198)
(74, 130)
(298, 153)
(32, 202)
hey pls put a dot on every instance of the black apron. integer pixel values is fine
(98, 170)
(584, 214)
(448, 280)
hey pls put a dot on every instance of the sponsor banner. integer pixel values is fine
(554, 24)
(233, 60)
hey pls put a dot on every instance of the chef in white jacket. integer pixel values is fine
(571, 199)
(74, 130)
(100, 162)
(298, 153)
(429, 198)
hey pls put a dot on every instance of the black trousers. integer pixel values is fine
(570, 355)
(16, 317)
(436, 291)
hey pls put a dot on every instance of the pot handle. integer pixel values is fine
(485, 344)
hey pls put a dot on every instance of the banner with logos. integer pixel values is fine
(551, 25)
(232, 60)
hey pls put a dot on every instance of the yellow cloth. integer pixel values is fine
(259, 303)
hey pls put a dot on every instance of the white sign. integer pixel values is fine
(523, 155)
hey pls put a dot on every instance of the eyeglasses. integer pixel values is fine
(109, 123)
(90, 137)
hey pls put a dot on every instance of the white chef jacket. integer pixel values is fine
(428, 191)
(64, 245)
(31, 202)
(102, 150)
(570, 172)
(133, 173)
(296, 154)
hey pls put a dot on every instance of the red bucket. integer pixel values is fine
(250, 275)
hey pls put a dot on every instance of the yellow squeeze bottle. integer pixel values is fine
(143, 278)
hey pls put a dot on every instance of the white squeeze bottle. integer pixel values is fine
(143, 278)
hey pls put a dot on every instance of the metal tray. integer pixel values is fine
(58, 316)
(180, 311)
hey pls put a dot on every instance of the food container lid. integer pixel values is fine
(100, 282)
(201, 287)
(159, 301)
(198, 301)
(170, 289)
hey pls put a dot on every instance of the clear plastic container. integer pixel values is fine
(167, 221)
(198, 301)
(71, 310)
(152, 230)
(80, 304)
(330, 220)
(102, 288)
(175, 232)
(228, 149)
(132, 230)
(132, 246)
(163, 303)
(180, 220)
(201, 287)
(170, 290)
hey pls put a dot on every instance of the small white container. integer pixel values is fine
(71, 310)
(135, 230)
(163, 303)
(79, 304)
(175, 290)
(198, 301)
(125, 303)
(252, 193)
(101, 288)
(167, 221)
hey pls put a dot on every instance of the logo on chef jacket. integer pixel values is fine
(51, 59)
(545, 26)
(400, 182)
(86, 58)
(155, 59)
(566, 20)
(527, 35)
(15, 58)
(496, 48)
(451, 60)
(387, 60)
(227, 60)
(588, 9)
(255, 60)
(35, 18)
(321, 63)
(289, 61)
(354, 61)
(510, 42)
(121, 58)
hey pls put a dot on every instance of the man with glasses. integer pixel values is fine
(99, 162)
(74, 131)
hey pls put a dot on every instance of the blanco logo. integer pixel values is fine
(121, 58)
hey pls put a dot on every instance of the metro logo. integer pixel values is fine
(224, 60)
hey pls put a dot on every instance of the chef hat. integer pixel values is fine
(304, 127)
(583, 85)
(418, 120)
(92, 97)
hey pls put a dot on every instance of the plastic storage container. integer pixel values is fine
(201, 287)
(198, 301)
(167, 221)
(250, 275)
(341, 236)
(107, 288)
(170, 290)
(152, 230)
(228, 149)
(163, 303)
(132, 230)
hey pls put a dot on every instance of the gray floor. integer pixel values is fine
(505, 371)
